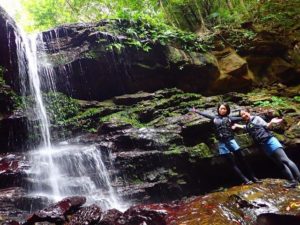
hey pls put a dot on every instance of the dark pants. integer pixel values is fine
(287, 166)
(238, 158)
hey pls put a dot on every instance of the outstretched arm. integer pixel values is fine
(275, 120)
(206, 115)
(239, 126)
(202, 114)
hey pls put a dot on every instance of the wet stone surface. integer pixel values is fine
(266, 203)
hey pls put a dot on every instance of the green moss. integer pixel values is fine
(175, 150)
(87, 120)
(200, 151)
(9, 100)
(136, 180)
(60, 107)
(297, 98)
(244, 140)
(172, 173)
(127, 117)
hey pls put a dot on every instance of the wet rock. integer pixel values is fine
(8, 199)
(282, 71)
(15, 204)
(110, 217)
(12, 169)
(108, 127)
(7, 95)
(88, 216)
(275, 219)
(193, 71)
(124, 136)
(56, 213)
(11, 222)
(8, 49)
(13, 132)
(9, 163)
(240, 204)
(107, 73)
(143, 215)
(133, 98)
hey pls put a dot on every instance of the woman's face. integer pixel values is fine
(245, 115)
(222, 110)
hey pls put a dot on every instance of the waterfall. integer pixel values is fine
(58, 170)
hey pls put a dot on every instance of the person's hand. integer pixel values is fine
(193, 109)
(233, 127)
(276, 120)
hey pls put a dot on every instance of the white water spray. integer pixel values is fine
(60, 170)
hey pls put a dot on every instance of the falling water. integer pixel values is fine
(27, 59)
(59, 170)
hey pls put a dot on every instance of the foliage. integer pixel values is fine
(50, 13)
(277, 13)
(142, 34)
(275, 101)
(297, 98)
(58, 106)
(175, 22)
(188, 15)
(123, 117)
(8, 98)
(86, 120)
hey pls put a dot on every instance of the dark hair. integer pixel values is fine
(226, 106)
(246, 109)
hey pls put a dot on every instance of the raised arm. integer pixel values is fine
(202, 114)
(239, 126)
(206, 115)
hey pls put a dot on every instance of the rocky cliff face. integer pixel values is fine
(94, 61)
(89, 66)
(159, 147)
(8, 50)
(13, 130)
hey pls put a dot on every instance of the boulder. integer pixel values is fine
(56, 213)
(88, 216)
(110, 217)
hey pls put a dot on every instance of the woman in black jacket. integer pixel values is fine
(228, 147)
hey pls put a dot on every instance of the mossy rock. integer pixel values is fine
(175, 150)
(200, 151)
(244, 140)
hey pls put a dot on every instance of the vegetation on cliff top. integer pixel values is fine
(165, 20)
(189, 15)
